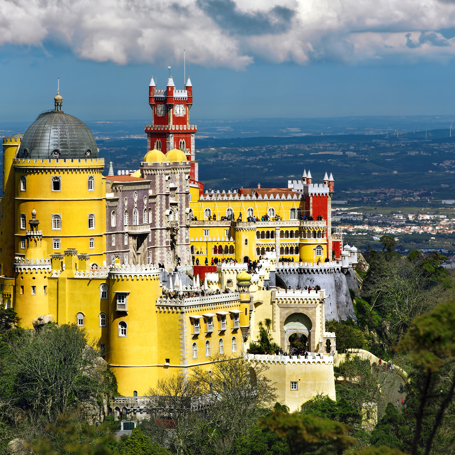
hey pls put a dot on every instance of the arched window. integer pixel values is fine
(91, 183)
(56, 222)
(23, 222)
(263, 235)
(292, 214)
(234, 344)
(314, 234)
(135, 217)
(135, 196)
(262, 251)
(220, 250)
(207, 348)
(80, 319)
(250, 212)
(145, 218)
(258, 251)
(150, 215)
(271, 212)
(291, 250)
(194, 351)
(229, 213)
(56, 184)
(258, 235)
(103, 291)
(291, 234)
(319, 234)
(221, 346)
(286, 250)
(113, 218)
(286, 235)
(171, 215)
(226, 249)
(282, 250)
(272, 234)
(8, 304)
(23, 183)
(215, 249)
(207, 213)
(182, 145)
(231, 249)
(91, 221)
(102, 320)
(319, 250)
(122, 328)
(267, 235)
(125, 218)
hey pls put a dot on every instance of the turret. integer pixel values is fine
(304, 177)
(326, 179)
(170, 89)
(331, 183)
(189, 91)
(152, 87)
(309, 179)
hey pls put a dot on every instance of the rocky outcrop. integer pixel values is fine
(18, 447)
(43, 320)
(362, 264)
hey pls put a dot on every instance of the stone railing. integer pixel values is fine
(210, 223)
(199, 300)
(18, 260)
(92, 273)
(300, 294)
(313, 358)
(322, 267)
(238, 267)
(139, 229)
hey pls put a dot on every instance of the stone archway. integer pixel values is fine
(297, 323)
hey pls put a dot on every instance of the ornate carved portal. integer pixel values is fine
(138, 249)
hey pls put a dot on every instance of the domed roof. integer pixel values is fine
(243, 277)
(175, 155)
(154, 156)
(55, 134)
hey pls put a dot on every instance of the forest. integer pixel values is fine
(55, 388)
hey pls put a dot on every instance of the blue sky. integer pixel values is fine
(289, 58)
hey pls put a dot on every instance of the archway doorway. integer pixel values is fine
(246, 259)
(297, 324)
(298, 341)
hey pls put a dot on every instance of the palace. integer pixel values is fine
(162, 275)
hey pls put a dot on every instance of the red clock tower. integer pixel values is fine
(171, 127)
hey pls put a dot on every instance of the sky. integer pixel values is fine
(246, 58)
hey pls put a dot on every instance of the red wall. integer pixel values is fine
(319, 207)
(201, 270)
(336, 246)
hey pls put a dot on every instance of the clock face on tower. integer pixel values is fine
(160, 110)
(179, 110)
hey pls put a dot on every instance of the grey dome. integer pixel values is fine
(54, 135)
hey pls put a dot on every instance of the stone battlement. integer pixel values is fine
(300, 294)
(308, 267)
(313, 358)
(57, 162)
(199, 300)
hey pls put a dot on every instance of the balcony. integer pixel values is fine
(236, 324)
(196, 330)
(139, 229)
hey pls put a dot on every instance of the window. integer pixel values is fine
(145, 200)
(23, 221)
(121, 301)
(80, 319)
(294, 385)
(113, 240)
(135, 217)
(56, 222)
(55, 244)
(271, 212)
(22, 244)
(207, 213)
(158, 145)
(91, 243)
(125, 218)
(125, 239)
(45, 290)
(122, 327)
(23, 183)
(221, 346)
(56, 184)
(197, 327)
(223, 322)
(102, 320)
(103, 292)
(125, 202)
(22, 289)
(207, 348)
(234, 344)
(246, 241)
(293, 214)
(33, 290)
(210, 324)
(144, 216)
(229, 213)
(91, 221)
(194, 351)
(206, 232)
(135, 196)
(182, 145)
(236, 321)
(150, 215)
(91, 183)
(250, 212)
(319, 250)
(113, 219)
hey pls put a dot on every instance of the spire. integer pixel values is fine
(152, 82)
(331, 177)
(111, 169)
(58, 99)
(304, 173)
(170, 81)
(309, 175)
(188, 82)
(326, 177)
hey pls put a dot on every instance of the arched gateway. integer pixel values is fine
(298, 323)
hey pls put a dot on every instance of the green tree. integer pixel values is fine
(139, 444)
(265, 343)
(307, 434)
(388, 243)
(261, 441)
(392, 430)
(348, 335)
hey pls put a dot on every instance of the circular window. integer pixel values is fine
(88, 152)
(56, 153)
(25, 152)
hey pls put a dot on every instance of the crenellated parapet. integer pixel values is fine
(223, 196)
(300, 297)
(201, 301)
(308, 267)
(134, 272)
(24, 265)
(312, 359)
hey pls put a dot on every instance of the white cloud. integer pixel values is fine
(233, 34)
